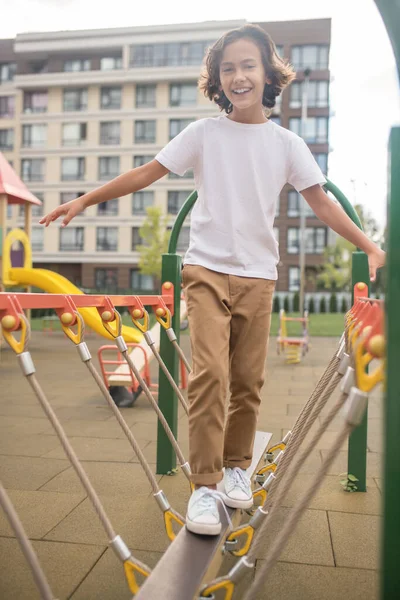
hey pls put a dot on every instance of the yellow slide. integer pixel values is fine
(54, 283)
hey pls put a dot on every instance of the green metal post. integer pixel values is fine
(167, 400)
(391, 524)
(357, 453)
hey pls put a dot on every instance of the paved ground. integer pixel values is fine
(332, 553)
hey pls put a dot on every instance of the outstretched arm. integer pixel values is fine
(132, 181)
(334, 216)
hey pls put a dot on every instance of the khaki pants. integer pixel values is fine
(229, 320)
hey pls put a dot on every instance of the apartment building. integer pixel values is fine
(78, 108)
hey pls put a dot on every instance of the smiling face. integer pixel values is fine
(243, 78)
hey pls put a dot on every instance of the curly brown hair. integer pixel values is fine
(278, 71)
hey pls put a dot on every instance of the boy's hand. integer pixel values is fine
(69, 209)
(376, 259)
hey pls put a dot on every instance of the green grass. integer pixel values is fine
(320, 325)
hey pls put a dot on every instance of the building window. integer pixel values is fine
(37, 239)
(145, 132)
(68, 196)
(7, 107)
(6, 139)
(110, 133)
(74, 134)
(188, 175)
(275, 119)
(34, 136)
(316, 129)
(141, 201)
(310, 57)
(38, 209)
(176, 200)
(35, 102)
(315, 240)
(7, 72)
(178, 125)
(169, 54)
(107, 239)
(72, 169)
(140, 282)
(322, 160)
(183, 239)
(183, 94)
(145, 96)
(136, 239)
(294, 202)
(143, 159)
(106, 280)
(72, 239)
(110, 63)
(294, 279)
(110, 97)
(317, 94)
(75, 99)
(80, 64)
(32, 169)
(108, 209)
(108, 167)
(293, 240)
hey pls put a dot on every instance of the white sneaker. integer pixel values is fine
(202, 514)
(238, 493)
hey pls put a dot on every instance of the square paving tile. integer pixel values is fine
(107, 580)
(12, 444)
(109, 479)
(331, 496)
(28, 473)
(309, 543)
(98, 449)
(355, 540)
(65, 565)
(39, 511)
(309, 582)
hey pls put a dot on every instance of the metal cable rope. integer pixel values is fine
(26, 546)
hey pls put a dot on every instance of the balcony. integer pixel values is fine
(98, 77)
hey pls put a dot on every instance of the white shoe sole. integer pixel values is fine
(203, 528)
(234, 503)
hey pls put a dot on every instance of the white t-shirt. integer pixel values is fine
(239, 170)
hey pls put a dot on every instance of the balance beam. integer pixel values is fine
(193, 560)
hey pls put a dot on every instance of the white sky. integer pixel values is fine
(364, 90)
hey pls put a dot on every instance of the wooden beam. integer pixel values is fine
(193, 560)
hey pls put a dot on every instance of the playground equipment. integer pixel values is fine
(294, 348)
(50, 282)
(362, 345)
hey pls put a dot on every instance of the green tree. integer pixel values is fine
(286, 304)
(296, 302)
(335, 273)
(311, 306)
(333, 303)
(155, 236)
(344, 305)
(277, 305)
(322, 305)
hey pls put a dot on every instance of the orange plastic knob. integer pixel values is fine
(107, 315)
(160, 312)
(377, 345)
(8, 322)
(137, 313)
(67, 318)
